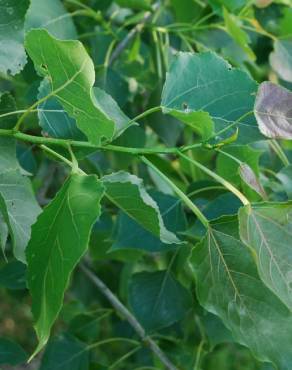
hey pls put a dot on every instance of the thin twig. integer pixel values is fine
(137, 29)
(118, 305)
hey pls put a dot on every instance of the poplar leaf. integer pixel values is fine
(228, 286)
(17, 201)
(71, 72)
(267, 229)
(59, 239)
(281, 59)
(249, 177)
(206, 83)
(52, 16)
(12, 53)
(273, 111)
(127, 192)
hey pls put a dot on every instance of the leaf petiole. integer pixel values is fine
(179, 193)
(218, 178)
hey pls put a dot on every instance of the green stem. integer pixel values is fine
(229, 156)
(110, 340)
(84, 144)
(146, 113)
(63, 159)
(280, 152)
(124, 357)
(179, 193)
(218, 178)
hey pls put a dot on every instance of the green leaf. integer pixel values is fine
(281, 59)
(52, 16)
(273, 111)
(12, 275)
(12, 53)
(129, 234)
(53, 119)
(158, 300)
(267, 229)
(200, 122)
(17, 201)
(229, 287)
(11, 353)
(127, 192)
(205, 82)
(67, 353)
(50, 253)
(239, 36)
(228, 168)
(71, 72)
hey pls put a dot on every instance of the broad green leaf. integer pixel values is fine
(12, 53)
(53, 119)
(129, 234)
(200, 122)
(281, 59)
(205, 82)
(226, 204)
(229, 287)
(127, 192)
(57, 123)
(51, 255)
(17, 201)
(267, 229)
(285, 176)
(157, 299)
(135, 4)
(65, 353)
(52, 16)
(12, 275)
(273, 111)
(72, 76)
(237, 33)
(11, 353)
(228, 168)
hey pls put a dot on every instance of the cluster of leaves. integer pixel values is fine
(184, 211)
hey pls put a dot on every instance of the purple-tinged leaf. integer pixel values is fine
(273, 111)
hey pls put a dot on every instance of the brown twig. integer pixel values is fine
(118, 305)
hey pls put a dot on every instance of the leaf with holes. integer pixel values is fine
(206, 83)
(72, 76)
(12, 53)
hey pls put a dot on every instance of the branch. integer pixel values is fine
(118, 305)
(41, 140)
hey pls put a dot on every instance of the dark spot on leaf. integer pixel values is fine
(185, 105)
